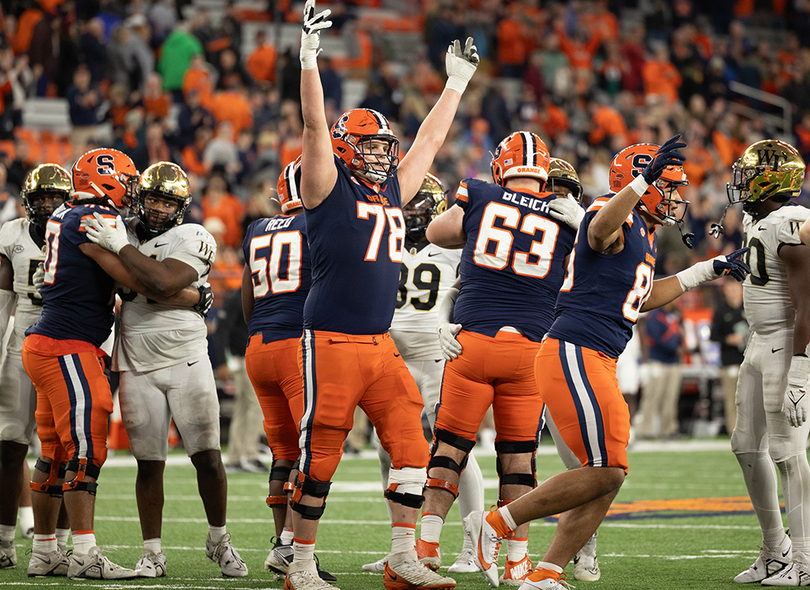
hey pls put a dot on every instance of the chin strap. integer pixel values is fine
(686, 237)
(717, 229)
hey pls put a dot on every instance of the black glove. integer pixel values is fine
(732, 265)
(667, 155)
(203, 306)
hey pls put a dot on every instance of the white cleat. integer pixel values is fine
(226, 557)
(95, 566)
(545, 584)
(767, 564)
(486, 545)
(405, 571)
(795, 574)
(586, 565)
(151, 565)
(464, 564)
(377, 566)
(304, 576)
(8, 555)
(55, 563)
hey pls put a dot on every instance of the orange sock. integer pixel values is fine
(545, 573)
(497, 522)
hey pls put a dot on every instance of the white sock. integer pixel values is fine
(152, 545)
(44, 544)
(286, 537)
(431, 528)
(7, 532)
(773, 539)
(507, 517)
(516, 549)
(403, 537)
(470, 488)
(62, 539)
(26, 516)
(303, 551)
(215, 533)
(83, 542)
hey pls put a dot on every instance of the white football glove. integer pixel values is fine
(447, 340)
(567, 211)
(109, 237)
(796, 401)
(311, 34)
(460, 65)
(38, 278)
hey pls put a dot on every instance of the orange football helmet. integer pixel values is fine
(352, 135)
(289, 195)
(105, 173)
(627, 165)
(521, 154)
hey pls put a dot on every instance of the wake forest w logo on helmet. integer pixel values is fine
(364, 140)
(45, 188)
(163, 196)
(429, 202)
(767, 169)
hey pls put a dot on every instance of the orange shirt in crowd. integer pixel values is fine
(192, 162)
(262, 64)
(230, 210)
(698, 162)
(511, 42)
(201, 81)
(553, 120)
(232, 106)
(661, 78)
(25, 30)
(607, 122)
(728, 149)
(290, 150)
(158, 106)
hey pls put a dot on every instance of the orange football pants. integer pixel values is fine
(582, 393)
(342, 371)
(497, 372)
(276, 377)
(74, 400)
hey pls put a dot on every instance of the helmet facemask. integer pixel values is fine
(370, 163)
(766, 169)
(40, 205)
(154, 216)
(418, 214)
(670, 209)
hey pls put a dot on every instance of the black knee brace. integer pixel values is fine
(443, 462)
(516, 479)
(55, 470)
(83, 469)
(279, 473)
(318, 489)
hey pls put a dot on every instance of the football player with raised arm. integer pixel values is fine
(275, 284)
(427, 273)
(352, 189)
(62, 354)
(161, 353)
(21, 249)
(516, 238)
(772, 403)
(609, 282)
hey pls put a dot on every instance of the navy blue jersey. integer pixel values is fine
(77, 299)
(356, 238)
(277, 252)
(513, 262)
(604, 293)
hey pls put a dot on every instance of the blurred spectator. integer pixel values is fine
(218, 202)
(226, 272)
(42, 53)
(232, 106)
(221, 150)
(8, 199)
(140, 49)
(730, 331)
(265, 107)
(163, 16)
(15, 80)
(21, 165)
(175, 58)
(191, 117)
(198, 77)
(155, 101)
(193, 154)
(662, 389)
(21, 42)
(262, 62)
(84, 100)
(119, 106)
(154, 148)
(231, 73)
(332, 84)
(121, 66)
(94, 50)
(660, 76)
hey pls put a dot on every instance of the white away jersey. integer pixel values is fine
(19, 247)
(426, 274)
(765, 291)
(151, 335)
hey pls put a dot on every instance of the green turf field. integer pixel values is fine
(682, 520)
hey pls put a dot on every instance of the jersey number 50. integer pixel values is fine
(272, 258)
(494, 245)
